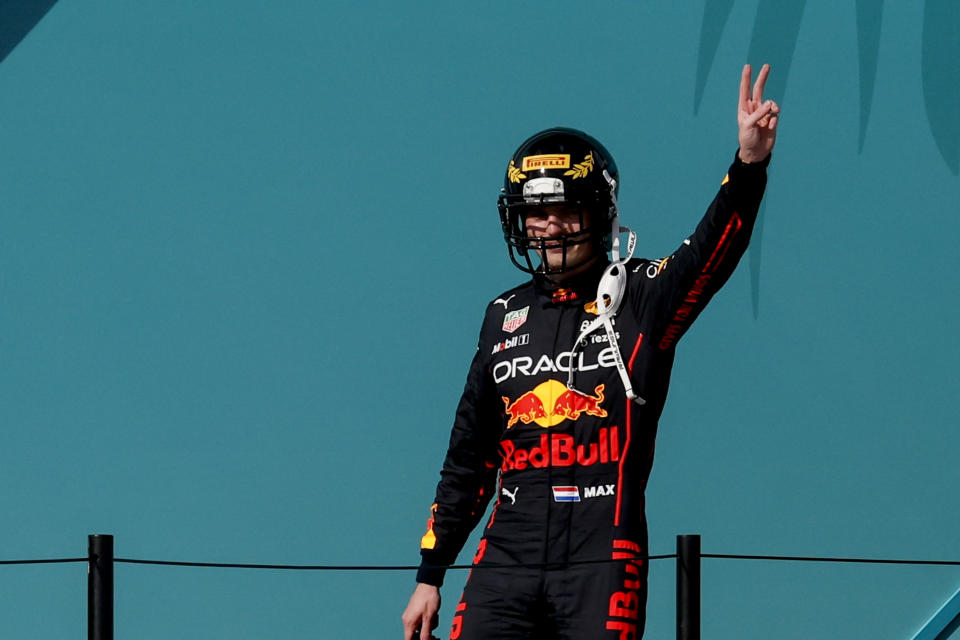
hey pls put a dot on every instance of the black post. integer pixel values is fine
(100, 587)
(688, 587)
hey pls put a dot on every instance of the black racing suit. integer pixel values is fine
(572, 466)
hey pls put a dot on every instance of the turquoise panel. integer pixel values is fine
(246, 248)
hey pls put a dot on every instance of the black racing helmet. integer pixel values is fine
(558, 166)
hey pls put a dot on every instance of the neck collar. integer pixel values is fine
(581, 287)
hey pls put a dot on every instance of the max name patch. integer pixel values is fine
(548, 161)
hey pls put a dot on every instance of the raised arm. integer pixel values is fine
(686, 280)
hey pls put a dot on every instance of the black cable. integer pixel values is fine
(536, 565)
(953, 563)
(327, 567)
(50, 561)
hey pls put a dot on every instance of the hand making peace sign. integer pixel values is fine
(757, 119)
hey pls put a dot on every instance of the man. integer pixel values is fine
(564, 394)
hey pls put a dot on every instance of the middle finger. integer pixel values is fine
(760, 83)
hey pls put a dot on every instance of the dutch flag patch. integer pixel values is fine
(566, 494)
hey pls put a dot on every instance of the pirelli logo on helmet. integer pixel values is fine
(546, 161)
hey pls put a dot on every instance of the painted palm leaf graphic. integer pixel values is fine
(940, 73)
(775, 30)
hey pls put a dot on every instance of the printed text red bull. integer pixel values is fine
(561, 450)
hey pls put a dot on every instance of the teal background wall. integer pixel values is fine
(246, 247)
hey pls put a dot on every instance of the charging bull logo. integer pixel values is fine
(552, 402)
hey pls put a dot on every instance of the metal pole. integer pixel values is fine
(100, 587)
(688, 587)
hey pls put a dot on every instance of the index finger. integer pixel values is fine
(745, 85)
(761, 82)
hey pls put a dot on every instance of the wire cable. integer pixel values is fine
(328, 567)
(730, 556)
(44, 561)
(535, 565)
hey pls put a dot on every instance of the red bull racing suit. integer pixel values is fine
(568, 469)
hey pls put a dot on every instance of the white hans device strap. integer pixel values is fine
(610, 290)
(609, 297)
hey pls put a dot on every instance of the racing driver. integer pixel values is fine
(559, 413)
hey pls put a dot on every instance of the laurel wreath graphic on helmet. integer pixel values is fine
(514, 174)
(581, 169)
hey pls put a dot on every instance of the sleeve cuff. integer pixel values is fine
(431, 574)
(750, 166)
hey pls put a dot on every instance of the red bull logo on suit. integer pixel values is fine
(561, 450)
(552, 402)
